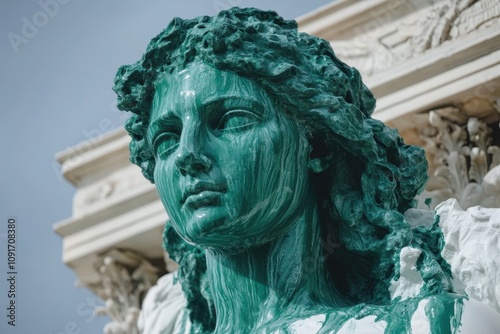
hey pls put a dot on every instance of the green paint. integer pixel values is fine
(291, 197)
(444, 312)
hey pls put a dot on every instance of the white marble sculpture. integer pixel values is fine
(163, 309)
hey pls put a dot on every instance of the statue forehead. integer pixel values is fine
(204, 81)
(190, 74)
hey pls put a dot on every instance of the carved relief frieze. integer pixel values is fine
(107, 188)
(386, 43)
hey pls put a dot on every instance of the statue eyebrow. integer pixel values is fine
(168, 121)
(226, 103)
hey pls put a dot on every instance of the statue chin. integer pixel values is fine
(233, 237)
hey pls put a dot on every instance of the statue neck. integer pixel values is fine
(266, 282)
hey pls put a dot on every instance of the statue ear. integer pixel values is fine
(320, 157)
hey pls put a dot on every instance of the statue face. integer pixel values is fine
(231, 168)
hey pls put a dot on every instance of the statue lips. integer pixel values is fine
(202, 194)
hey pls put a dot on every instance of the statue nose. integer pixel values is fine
(190, 158)
(192, 163)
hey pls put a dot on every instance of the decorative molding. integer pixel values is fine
(391, 41)
(94, 157)
(98, 193)
(126, 277)
(464, 158)
(446, 78)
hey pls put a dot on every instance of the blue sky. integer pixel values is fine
(55, 90)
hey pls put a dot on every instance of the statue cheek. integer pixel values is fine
(274, 137)
(167, 183)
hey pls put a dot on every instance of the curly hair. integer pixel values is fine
(371, 176)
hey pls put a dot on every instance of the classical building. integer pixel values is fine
(434, 67)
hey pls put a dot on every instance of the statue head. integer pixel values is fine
(289, 114)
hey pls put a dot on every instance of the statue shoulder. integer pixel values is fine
(450, 313)
(335, 323)
(443, 313)
(478, 317)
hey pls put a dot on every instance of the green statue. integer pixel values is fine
(285, 198)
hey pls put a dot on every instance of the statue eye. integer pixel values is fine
(236, 121)
(165, 144)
